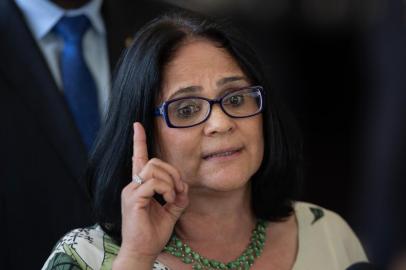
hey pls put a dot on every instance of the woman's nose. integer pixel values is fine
(218, 122)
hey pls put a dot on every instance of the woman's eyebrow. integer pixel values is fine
(186, 90)
(226, 80)
(194, 88)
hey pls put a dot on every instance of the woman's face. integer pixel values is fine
(199, 68)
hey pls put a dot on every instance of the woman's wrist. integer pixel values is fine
(125, 260)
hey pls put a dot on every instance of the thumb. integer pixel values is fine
(181, 202)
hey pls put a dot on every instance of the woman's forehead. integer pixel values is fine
(198, 66)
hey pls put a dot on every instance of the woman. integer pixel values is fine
(214, 165)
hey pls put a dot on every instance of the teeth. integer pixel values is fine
(224, 154)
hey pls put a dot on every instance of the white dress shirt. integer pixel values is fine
(42, 15)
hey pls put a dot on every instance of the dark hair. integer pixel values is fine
(136, 88)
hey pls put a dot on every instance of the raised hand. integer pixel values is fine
(146, 224)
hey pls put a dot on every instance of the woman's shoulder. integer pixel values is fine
(83, 248)
(86, 248)
(322, 230)
(311, 214)
(313, 217)
(317, 219)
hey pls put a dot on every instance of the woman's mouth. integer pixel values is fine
(223, 154)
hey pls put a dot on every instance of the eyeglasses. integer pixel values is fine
(187, 112)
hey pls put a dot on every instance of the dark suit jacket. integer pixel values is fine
(42, 158)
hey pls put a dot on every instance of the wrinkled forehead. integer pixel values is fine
(200, 67)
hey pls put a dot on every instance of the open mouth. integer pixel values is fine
(222, 153)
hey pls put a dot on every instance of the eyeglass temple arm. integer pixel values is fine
(159, 111)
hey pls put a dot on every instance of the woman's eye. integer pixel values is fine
(235, 100)
(187, 111)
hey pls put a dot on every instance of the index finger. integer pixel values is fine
(140, 150)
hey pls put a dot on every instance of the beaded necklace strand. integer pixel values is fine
(182, 251)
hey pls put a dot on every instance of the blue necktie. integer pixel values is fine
(78, 85)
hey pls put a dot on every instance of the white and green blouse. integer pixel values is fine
(325, 242)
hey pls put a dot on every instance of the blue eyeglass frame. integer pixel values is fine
(162, 110)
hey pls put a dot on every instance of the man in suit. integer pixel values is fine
(43, 154)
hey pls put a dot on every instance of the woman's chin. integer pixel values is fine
(220, 184)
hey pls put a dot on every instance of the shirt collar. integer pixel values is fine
(42, 15)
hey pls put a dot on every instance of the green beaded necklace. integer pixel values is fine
(182, 251)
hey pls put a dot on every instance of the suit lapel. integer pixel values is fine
(31, 79)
